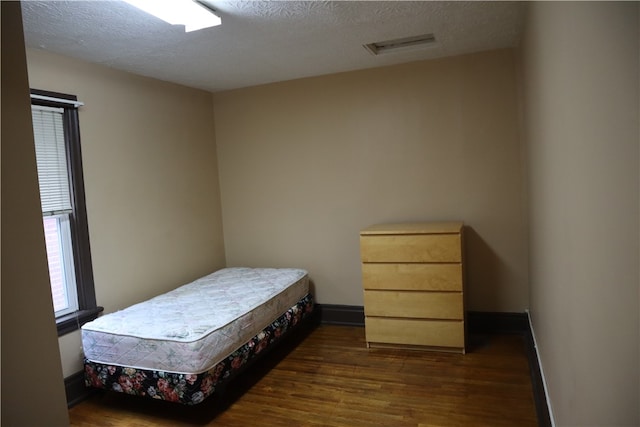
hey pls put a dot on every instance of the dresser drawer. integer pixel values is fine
(412, 277)
(411, 248)
(434, 333)
(424, 305)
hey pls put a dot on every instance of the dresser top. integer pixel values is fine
(414, 228)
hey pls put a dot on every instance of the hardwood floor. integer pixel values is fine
(330, 378)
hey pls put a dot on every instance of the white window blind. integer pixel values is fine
(53, 176)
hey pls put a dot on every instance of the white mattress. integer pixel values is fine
(193, 327)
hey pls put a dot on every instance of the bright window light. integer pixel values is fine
(179, 12)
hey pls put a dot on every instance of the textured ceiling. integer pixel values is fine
(265, 41)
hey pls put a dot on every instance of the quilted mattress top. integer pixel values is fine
(194, 310)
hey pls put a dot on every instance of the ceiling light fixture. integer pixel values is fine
(401, 44)
(193, 14)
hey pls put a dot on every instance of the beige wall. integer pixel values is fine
(32, 384)
(151, 181)
(581, 114)
(305, 164)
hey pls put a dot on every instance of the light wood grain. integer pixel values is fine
(412, 277)
(412, 274)
(430, 333)
(330, 378)
(424, 305)
(415, 228)
(411, 248)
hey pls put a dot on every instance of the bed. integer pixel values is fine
(183, 345)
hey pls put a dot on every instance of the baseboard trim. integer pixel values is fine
(75, 389)
(348, 315)
(490, 322)
(538, 382)
(478, 322)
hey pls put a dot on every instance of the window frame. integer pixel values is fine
(87, 306)
(67, 264)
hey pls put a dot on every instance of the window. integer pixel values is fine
(57, 142)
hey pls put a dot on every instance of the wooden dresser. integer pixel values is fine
(413, 279)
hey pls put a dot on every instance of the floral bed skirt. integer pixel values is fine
(191, 389)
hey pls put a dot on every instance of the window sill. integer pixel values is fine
(73, 321)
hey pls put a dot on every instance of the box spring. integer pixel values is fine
(183, 360)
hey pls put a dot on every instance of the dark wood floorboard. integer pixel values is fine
(329, 378)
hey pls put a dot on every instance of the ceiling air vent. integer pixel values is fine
(400, 44)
